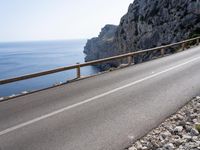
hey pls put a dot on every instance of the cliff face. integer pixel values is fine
(102, 46)
(147, 24)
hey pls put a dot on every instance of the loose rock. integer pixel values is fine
(177, 132)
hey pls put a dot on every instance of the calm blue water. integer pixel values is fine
(28, 57)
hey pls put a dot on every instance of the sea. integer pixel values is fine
(21, 58)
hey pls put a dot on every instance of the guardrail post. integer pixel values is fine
(183, 46)
(78, 71)
(198, 41)
(162, 51)
(130, 60)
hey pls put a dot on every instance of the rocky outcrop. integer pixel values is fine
(151, 23)
(148, 23)
(102, 46)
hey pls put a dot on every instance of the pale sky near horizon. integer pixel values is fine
(30, 20)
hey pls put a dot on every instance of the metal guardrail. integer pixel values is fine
(95, 62)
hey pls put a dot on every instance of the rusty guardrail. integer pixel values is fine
(95, 62)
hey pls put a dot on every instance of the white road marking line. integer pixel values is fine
(92, 99)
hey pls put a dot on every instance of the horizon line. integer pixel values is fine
(43, 40)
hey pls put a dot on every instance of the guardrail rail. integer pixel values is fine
(95, 62)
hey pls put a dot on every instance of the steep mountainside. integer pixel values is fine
(147, 24)
(101, 46)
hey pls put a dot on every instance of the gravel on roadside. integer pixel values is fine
(179, 132)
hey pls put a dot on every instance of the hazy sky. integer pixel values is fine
(22, 20)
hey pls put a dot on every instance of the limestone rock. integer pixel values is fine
(194, 132)
(178, 129)
(147, 24)
(102, 46)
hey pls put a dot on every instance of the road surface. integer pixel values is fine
(105, 112)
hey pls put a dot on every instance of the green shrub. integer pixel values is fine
(197, 126)
(195, 33)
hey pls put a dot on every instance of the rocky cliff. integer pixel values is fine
(147, 24)
(102, 46)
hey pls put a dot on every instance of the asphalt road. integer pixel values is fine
(105, 112)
